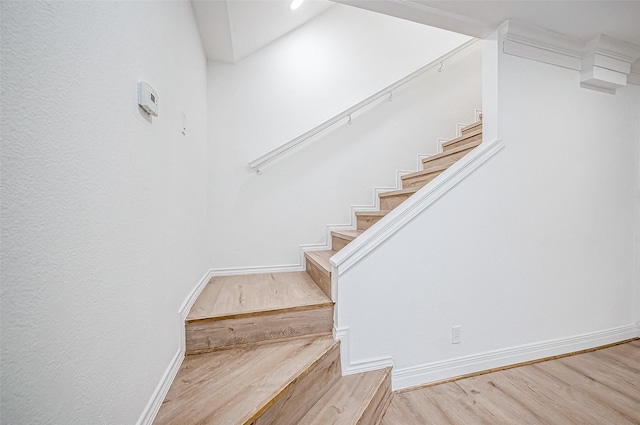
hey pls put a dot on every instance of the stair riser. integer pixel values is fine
(204, 336)
(320, 277)
(387, 203)
(378, 405)
(304, 392)
(363, 223)
(338, 243)
(446, 160)
(419, 181)
(448, 147)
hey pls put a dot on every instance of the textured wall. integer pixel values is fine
(322, 68)
(103, 209)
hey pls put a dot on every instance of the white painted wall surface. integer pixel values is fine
(103, 210)
(328, 65)
(532, 254)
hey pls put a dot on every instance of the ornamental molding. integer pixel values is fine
(604, 63)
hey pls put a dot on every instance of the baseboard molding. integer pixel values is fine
(451, 368)
(351, 368)
(257, 270)
(183, 311)
(153, 406)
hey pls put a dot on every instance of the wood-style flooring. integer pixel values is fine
(231, 295)
(272, 383)
(596, 388)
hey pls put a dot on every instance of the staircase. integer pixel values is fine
(259, 348)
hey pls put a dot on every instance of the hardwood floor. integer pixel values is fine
(596, 388)
(230, 295)
(272, 383)
(246, 309)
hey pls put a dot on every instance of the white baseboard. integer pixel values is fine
(197, 290)
(451, 368)
(257, 269)
(194, 294)
(351, 368)
(153, 406)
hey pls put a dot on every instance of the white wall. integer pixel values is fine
(533, 254)
(334, 61)
(103, 210)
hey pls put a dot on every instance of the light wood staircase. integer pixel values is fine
(259, 348)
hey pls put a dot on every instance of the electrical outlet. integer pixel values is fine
(455, 334)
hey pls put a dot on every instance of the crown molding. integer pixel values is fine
(605, 63)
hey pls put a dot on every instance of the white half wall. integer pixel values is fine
(104, 210)
(322, 68)
(533, 254)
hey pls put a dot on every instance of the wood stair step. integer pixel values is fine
(275, 383)
(390, 200)
(366, 219)
(470, 137)
(319, 268)
(471, 127)
(246, 309)
(450, 156)
(353, 399)
(420, 178)
(341, 238)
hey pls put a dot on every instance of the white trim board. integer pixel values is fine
(351, 368)
(153, 405)
(451, 368)
(416, 204)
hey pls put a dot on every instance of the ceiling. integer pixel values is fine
(582, 20)
(233, 29)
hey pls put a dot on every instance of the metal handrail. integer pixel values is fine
(387, 91)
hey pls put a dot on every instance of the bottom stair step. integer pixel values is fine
(273, 383)
(353, 399)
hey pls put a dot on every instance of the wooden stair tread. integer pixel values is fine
(346, 234)
(428, 170)
(226, 296)
(236, 386)
(464, 137)
(346, 401)
(452, 152)
(371, 213)
(321, 258)
(407, 191)
(470, 127)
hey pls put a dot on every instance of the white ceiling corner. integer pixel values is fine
(233, 29)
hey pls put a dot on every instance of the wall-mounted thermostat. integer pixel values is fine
(148, 98)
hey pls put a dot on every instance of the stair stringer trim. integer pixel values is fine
(409, 209)
(460, 366)
(375, 205)
(460, 126)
